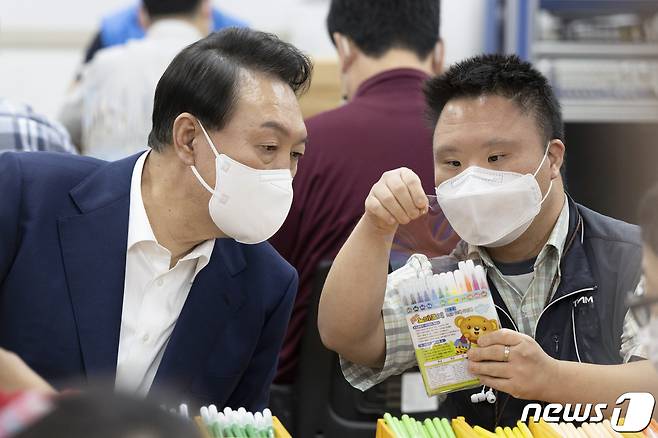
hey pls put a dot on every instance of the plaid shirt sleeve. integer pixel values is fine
(400, 354)
(631, 344)
(21, 129)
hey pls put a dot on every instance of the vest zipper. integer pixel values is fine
(573, 327)
(556, 339)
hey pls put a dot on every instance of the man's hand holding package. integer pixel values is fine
(526, 371)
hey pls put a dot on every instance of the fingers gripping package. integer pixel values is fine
(446, 314)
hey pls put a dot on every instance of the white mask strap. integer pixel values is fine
(212, 145)
(201, 180)
(540, 164)
(550, 186)
(537, 171)
(214, 150)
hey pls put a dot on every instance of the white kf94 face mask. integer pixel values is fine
(249, 205)
(491, 208)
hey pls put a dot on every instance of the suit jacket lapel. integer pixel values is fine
(94, 253)
(216, 294)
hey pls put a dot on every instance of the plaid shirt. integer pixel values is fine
(525, 308)
(23, 130)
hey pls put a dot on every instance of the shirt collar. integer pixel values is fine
(201, 253)
(383, 80)
(168, 29)
(555, 242)
(139, 227)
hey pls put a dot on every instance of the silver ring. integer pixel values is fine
(506, 353)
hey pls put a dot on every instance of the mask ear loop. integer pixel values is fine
(212, 145)
(202, 181)
(214, 150)
(534, 175)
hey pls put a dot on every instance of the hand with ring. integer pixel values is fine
(514, 363)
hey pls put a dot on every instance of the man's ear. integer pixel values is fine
(438, 57)
(144, 18)
(184, 132)
(346, 50)
(556, 151)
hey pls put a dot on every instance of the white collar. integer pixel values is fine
(171, 28)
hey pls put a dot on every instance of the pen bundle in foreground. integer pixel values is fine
(408, 427)
(237, 424)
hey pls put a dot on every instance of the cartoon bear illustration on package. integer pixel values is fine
(472, 327)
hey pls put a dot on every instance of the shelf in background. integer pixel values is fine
(600, 6)
(611, 111)
(567, 49)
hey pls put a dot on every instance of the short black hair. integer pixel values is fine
(108, 415)
(376, 26)
(204, 78)
(648, 217)
(502, 75)
(158, 8)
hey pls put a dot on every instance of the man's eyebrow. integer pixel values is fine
(446, 149)
(271, 124)
(498, 141)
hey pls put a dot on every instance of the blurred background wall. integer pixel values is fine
(42, 41)
(600, 55)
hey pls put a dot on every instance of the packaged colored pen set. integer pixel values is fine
(446, 314)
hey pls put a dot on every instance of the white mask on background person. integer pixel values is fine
(491, 208)
(248, 205)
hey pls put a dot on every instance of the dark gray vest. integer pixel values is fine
(584, 320)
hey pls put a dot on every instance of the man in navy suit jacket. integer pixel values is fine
(85, 292)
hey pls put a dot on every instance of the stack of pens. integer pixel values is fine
(585, 430)
(408, 427)
(438, 287)
(237, 424)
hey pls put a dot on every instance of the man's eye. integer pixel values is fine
(494, 158)
(269, 148)
(296, 155)
(453, 163)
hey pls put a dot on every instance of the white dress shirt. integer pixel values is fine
(153, 294)
(109, 112)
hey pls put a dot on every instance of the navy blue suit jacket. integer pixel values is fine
(63, 239)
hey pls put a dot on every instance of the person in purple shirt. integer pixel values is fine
(386, 49)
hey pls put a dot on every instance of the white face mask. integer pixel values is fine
(249, 205)
(491, 208)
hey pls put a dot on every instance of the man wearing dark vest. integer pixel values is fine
(559, 272)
